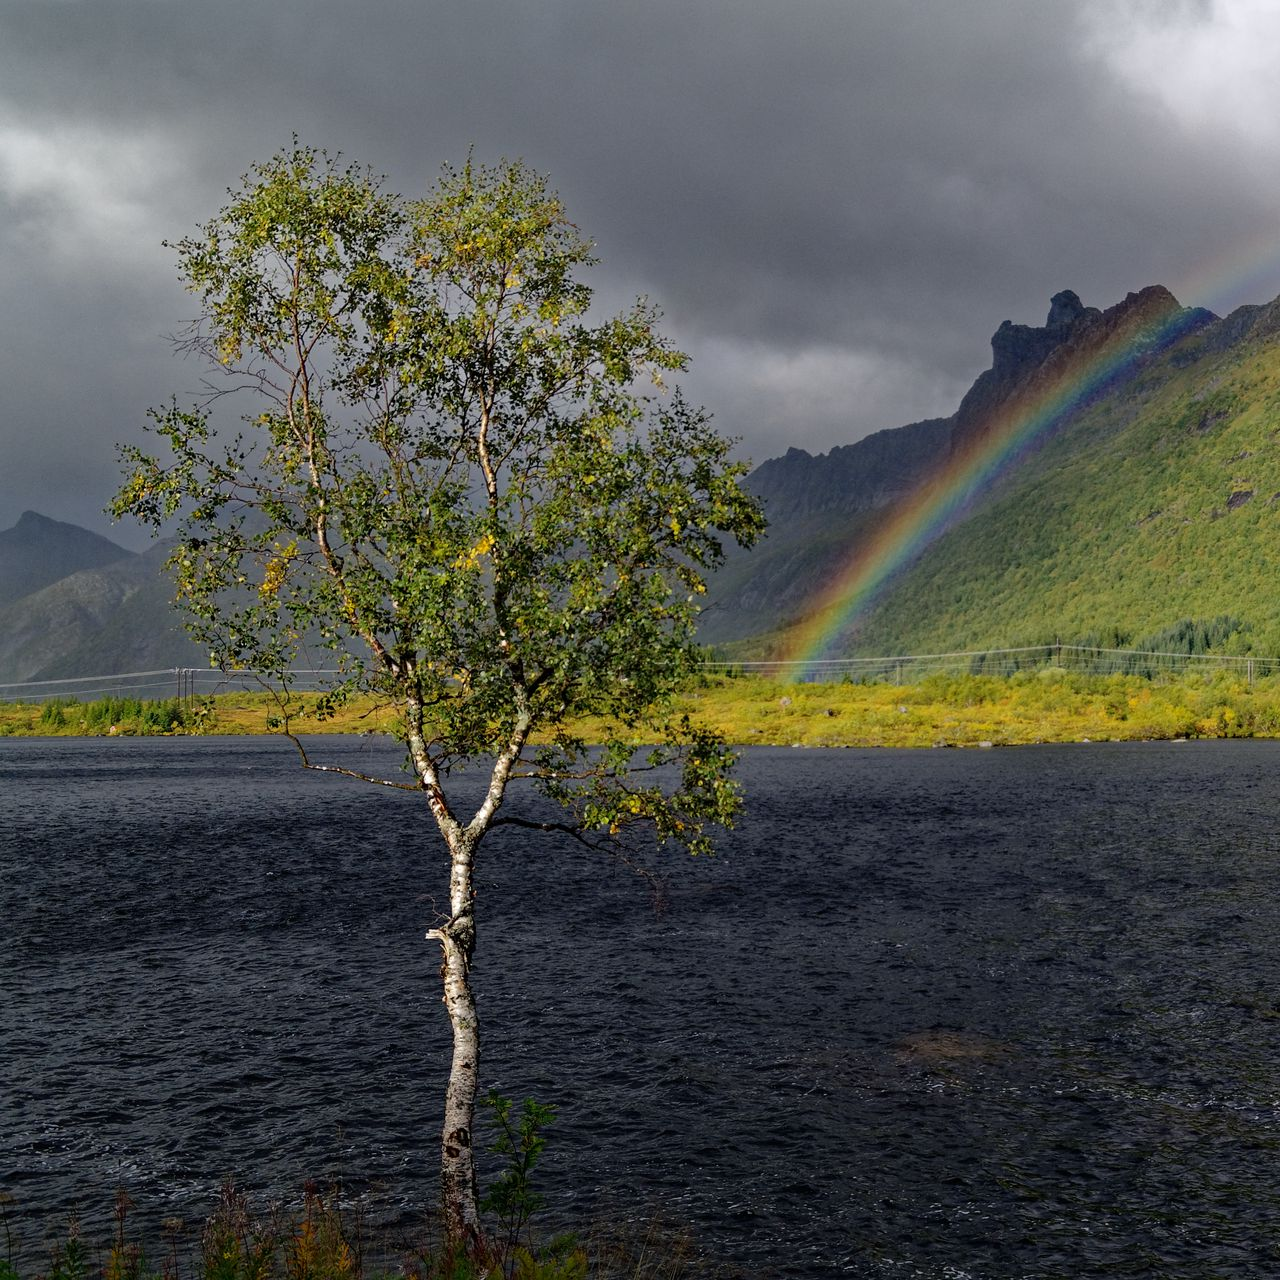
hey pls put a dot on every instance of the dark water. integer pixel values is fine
(939, 1014)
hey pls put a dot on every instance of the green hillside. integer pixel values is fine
(1157, 503)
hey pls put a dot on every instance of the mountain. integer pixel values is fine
(1155, 504)
(817, 508)
(38, 551)
(1113, 477)
(1143, 491)
(116, 616)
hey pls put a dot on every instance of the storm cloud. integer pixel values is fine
(834, 203)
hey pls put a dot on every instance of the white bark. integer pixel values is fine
(457, 938)
(457, 1157)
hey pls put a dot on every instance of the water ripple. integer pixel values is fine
(929, 1014)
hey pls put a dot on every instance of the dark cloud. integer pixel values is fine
(836, 204)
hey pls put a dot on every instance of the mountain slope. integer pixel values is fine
(1158, 503)
(38, 551)
(822, 510)
(99, 621)
(1153, 497)
(817, 507)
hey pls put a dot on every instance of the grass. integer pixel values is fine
(325, 1239)
(1045, 705)
(1042, 705)
(229, 713)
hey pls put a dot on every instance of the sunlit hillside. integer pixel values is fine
(1152, 502)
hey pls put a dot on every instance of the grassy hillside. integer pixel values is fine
(1157, 503)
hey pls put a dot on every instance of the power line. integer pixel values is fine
(1086, 659)
(181, 682)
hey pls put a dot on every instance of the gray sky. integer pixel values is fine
(835, 202)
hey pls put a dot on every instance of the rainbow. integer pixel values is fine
(1004, 439)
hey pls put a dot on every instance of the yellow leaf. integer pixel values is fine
(471, 558)
(276, 570)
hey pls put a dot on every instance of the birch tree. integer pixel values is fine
(483, 504)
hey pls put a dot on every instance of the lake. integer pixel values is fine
(932, 1014)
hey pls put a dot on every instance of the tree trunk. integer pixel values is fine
(458, 1194)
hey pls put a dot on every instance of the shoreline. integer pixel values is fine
(1045, 706)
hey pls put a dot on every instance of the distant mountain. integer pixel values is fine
(114, 617)
(1150, 496)
(38, 551)
(817, 508)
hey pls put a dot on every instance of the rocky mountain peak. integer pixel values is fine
(1024, 356)
(1064, 309)
(1153, 302)
(1017, 350)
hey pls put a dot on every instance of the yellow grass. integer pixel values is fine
(1048, 705)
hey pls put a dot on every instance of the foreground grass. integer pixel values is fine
(1045, 705)
(325, 1239)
